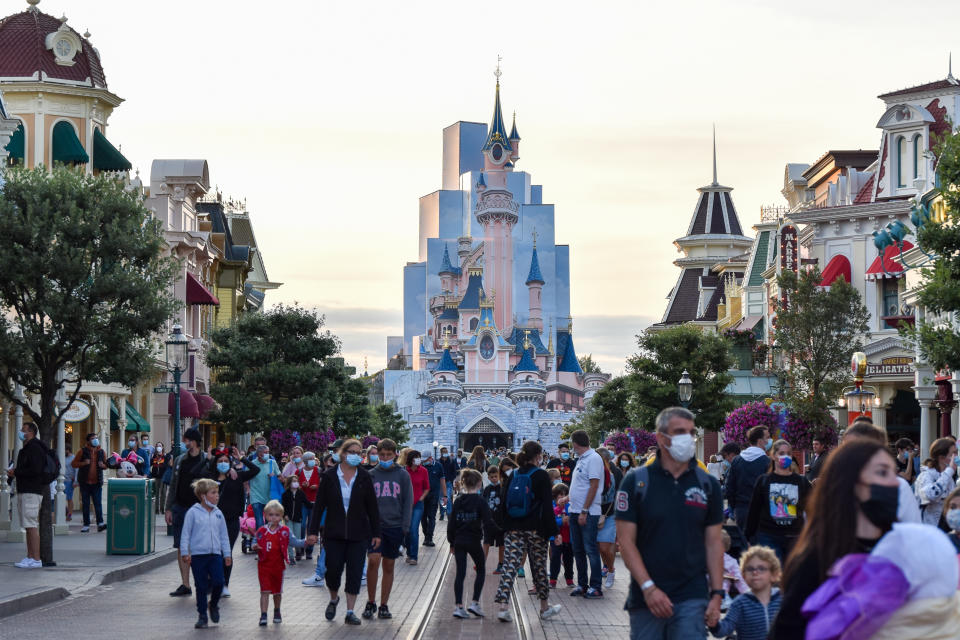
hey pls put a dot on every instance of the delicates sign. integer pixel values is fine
(898, 366)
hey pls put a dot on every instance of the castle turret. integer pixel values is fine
(514, 140)
(447, 272)
(535, 289)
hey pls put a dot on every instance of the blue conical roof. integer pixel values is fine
(480, 181)
(527, 362)
(534, 275)
(566, 355)
(446, 362)
(513, 130)
(471, 299)
(498, 131)
(446, 266)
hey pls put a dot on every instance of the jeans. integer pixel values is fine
(561, 554)
(207, 574)
(686, 623)
(740, 513)
(584, 542)
(413, 538)
(88, 493)
(430, 515)
(449, 497)
(305, 513)
(321, 569)
(258, 513)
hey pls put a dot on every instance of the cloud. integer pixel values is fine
(609, 339)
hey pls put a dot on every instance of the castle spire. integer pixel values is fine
(950, 66)
(534, 277)
(498, 131)
(513, 130)
(715, 155)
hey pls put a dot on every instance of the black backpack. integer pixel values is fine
(51, 466)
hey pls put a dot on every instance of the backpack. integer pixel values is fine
(51, 467)
(519, 501)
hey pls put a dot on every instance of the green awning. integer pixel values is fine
(107, 157)
(16, 145)
(135, 422)
(66, 145)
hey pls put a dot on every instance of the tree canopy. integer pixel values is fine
(389, 424)
(588, 364)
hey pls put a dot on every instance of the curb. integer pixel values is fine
(138, 567)
(31, 599)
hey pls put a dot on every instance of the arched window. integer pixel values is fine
(917, 154)
(473, 323)
(901, 160)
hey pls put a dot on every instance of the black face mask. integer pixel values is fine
(881, 507)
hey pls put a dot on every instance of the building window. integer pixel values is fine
(531, 414)
(473, 323)
(439, 420)
(891, 297)
(917, 154)
(901, 158)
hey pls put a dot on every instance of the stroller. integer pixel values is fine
(248, 528)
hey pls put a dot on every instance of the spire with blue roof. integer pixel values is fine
(446, 266)
(566, 355)
(534, 277)
(446, 362)
(527, 363)
(498, 131)
(513, 130)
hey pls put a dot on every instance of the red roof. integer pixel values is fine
(838, 267)
(877, 269)
(23, 51)
(930, 86)
(866, 192)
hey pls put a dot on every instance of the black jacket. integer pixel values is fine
(541, 518)
(816, 465)
(231, 491)
(362, 522)
(29, 469)
(742, 478)
(292, 504)
(82, 471)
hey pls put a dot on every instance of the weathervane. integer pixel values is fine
(534, 237)
(498, 73)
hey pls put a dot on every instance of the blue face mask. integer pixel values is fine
(22, 436)
(296, 460)
(374, 458)
(386, 464)
(785, 462)
(353, 459)
(95, 442)
(444, 455)
(223, 467)
(564, 456)
(311, 463)
(335, 457)
(768, 446)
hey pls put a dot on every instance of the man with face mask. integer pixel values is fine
(564, 463)
(260, 485)
(90, 463)
(669, 519)
(586, 489)
(744, 471)
(143, 454)
(190, 466)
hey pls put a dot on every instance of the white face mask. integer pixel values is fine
(682, 447)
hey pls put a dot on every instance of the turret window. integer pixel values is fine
(473, 323)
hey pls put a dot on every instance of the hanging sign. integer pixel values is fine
(78, 411)
(898, 366)
(789, 254)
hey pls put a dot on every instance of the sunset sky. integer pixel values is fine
(327, 118)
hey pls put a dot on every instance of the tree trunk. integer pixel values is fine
(46, 530)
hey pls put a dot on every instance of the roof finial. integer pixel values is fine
(950, 65)
(534, 237)
(498, 73)
(33, 4)
(714, 154)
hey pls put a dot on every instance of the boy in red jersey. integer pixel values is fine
(271, 544)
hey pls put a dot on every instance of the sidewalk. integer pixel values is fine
(82, 562)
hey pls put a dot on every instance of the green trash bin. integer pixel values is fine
(130, 518)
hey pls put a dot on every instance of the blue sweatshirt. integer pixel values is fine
(748, 617)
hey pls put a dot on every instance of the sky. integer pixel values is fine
(327, 118)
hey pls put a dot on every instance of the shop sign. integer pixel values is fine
(78, 411)
(896, 366)
(789, 254)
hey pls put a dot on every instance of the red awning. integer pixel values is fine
(838, 267)
(205, 403)
(197, 293)
(188, 405)
(895, 269)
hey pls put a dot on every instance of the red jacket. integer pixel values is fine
(420, 480)
(309, 488)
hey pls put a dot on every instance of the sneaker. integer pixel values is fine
(182, 590)
(498, 570)
(461, 613)
(520, 573)
(225, 593)
(569, 582)
(604, 571)
(553, 584)
(428, 543)
(263, 619)
(577, 591)
(201, 623)
(369, 610)
(292, 562)
(28, 563)
(532, 591)
(103, 527)
(85, 529)
(475, 609)
(276, 616)
(351, 618)
(313, 581)
(608, 583)
(384, 612)
(592, 593)
(309, 555)
(550, 612)
(363, 581)
(504, 616)
(412, 561)
(331, 611)
(214, 613)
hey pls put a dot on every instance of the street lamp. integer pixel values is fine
(685, 389)
(435, 445)
(177, 363)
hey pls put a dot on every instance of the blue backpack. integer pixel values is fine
(520, 494)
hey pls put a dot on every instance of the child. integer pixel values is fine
(554, 476)
(470, 517)
(205, 546)
(248, 529)
(561, 550)
(731, 572)
(271, 544)
(292, 503)
(491, 494)
(951, 514)
(751, 614)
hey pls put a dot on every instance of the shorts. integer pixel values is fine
(68, 489)
(493, 541)
(271, 577)
(179, 513)
(28, 505)
(609, 531)
(390, 540)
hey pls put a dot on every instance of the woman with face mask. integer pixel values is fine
(420, 479)
(779, 500)
(852, 505)
(937, 479)
(295, 463)
(231, 471)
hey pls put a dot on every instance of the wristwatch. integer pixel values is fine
(718, 592)
(646, 586)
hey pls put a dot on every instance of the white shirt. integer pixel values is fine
(346, 489)
(589, 467)
(907, 508)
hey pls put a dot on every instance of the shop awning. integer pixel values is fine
(66, 147)
(197, 293)
(748, 323)
(17, 143)
(188, 404)
(205, 403)
(895, 269)
(135, 422)
(107, 157)
(838, 267)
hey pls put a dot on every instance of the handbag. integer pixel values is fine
(276, 487)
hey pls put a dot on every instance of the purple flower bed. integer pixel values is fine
(642, 440)
(282, 440)
(318, 441)
(369, 440)
(621, 442)
(744, 418)
(800, 433)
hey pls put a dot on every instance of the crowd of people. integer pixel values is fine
(749, 545)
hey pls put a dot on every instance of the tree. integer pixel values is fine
(272, 372)
(939, 294)
(588, 365)
(817, 331)
(606, 412)
(664, 355)
(390, 424)
(353, 415)
(86, 287)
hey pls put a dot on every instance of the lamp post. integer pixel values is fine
(177, 363)
(16, 532)
(60, 526)
(685, 389)
(435, 445)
